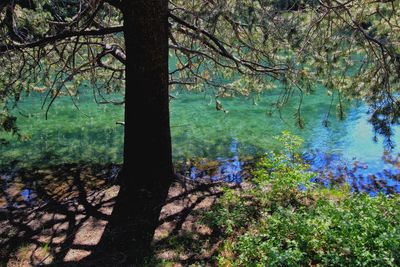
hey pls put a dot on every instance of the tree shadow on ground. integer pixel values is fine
(48, 215)
(182, 238)
(58, 215)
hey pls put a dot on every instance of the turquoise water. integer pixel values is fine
(69, 135)
(198, 130)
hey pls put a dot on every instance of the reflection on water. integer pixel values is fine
(27, 194)
(68, 136)
(331, 171)
(15, 192)
(199, 130)
(344, 150)
(231, 168)
(227, 169)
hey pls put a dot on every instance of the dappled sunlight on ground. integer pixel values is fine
(58, 216)
(65, 211)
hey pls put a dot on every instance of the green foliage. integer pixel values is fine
(283, 172)
(358, 231)
(33, 21)
(32, 64)
(229, 47)
(231, 213)
(8, 124)
(276, 224)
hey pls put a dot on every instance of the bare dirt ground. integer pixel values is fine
(52, 217)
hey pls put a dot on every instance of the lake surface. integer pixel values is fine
(200, 131)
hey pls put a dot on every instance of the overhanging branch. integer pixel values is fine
(50, 39)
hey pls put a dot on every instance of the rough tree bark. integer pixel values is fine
(147, 171)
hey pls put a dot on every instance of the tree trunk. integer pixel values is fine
(147, 129)
(147, 171)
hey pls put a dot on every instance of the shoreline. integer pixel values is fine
(78, 199)
(229, 169)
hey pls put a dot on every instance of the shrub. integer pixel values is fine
(285, 220)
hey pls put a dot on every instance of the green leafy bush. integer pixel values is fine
(231, 213)
(276, 223)
(283, 173)
(358, 231)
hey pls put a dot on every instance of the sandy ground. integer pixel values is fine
(62, 220)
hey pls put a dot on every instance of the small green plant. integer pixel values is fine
(46, 247)
(285, 220)
(231, 213)
(283, 173)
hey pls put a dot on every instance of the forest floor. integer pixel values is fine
(56, 216)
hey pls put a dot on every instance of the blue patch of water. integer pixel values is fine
(331, 170)
(231, 168)
(27, 195)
